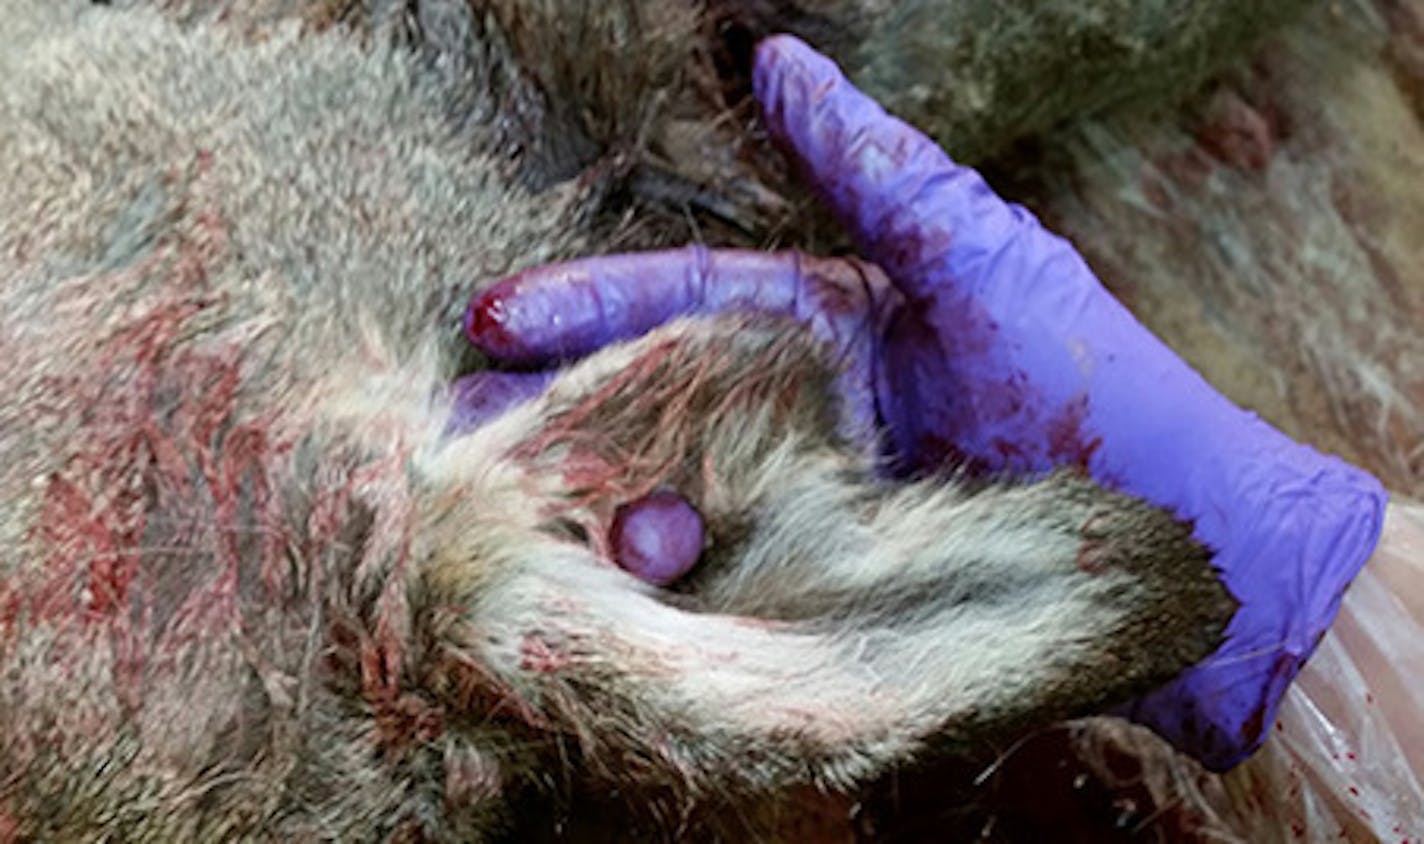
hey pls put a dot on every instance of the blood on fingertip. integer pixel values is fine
(657, 537)
(487, 324)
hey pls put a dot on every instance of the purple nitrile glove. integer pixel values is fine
(481, 396)
(1003, 352)
(565, 311)
(1054, 369)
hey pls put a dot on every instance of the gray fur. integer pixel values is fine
(249, 590)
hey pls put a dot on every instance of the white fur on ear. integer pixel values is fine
(839, 624)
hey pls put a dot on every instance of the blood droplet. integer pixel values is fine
(486, 324)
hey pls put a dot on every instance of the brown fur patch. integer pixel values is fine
(650, 424)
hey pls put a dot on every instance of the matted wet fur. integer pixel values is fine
(251, 590)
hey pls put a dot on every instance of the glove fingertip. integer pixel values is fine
(928, 220)
(809, 107)
(785, 60)
(487, 324)
(481, 396)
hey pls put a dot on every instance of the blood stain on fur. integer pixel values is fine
(537, 655)
(1237, 134)
(1090, 554)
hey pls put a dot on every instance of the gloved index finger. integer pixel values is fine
(568, 310)
(562, 311)
(913, 210)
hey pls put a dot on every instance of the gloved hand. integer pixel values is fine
(996, 348)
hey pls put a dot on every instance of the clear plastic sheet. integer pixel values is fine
(1345, 761)
(1347, 757)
